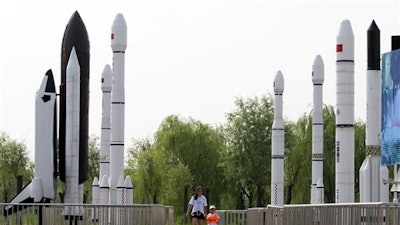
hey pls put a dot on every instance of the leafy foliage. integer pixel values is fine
(14, 162)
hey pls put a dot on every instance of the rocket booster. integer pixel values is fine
(278, 144)
(345, 114)
(75, 35)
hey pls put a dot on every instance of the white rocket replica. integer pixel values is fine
(72, 193)
(345, 114)
(106, 82)
(371, 172)
(43, 186)
(278, 144)
(317, 159)
(73, 125)
(113, 189)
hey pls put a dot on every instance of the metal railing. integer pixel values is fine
(332, 214)
(147, 214)
(87, 214)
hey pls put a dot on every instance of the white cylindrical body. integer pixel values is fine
(104, 199)
(118, 44)
(121, 191)
(345, 114)
(95, 198)
(384, 188)
(278, 144)
(104, 190)
(317, 130)
(370, 180)
(45, 120)
(129, 190)
(319, 192)
(95, 191)
(72, 134)
(106, 82)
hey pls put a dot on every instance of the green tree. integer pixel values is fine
(247, 163)
(191, 153)
(14, 162)
(298, 142)
(145, 167)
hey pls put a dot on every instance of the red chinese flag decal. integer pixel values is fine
(339, 48)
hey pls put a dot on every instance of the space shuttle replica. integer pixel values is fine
(70, 161)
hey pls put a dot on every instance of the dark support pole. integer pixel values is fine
(40, 215)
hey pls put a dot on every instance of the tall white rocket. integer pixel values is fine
(72, 134)
(118, 45)
(278, 144)
(344, 148)
(106, 82)
(317, 188)
(371, 172)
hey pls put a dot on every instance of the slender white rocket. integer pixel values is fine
(278, 144)
(118, 45)
(106, 82)
(317, 132)
(345, 114)
(371, 172)
(72, 133)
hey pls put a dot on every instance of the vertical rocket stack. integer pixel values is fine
(118, 45)
(278, 144)
(317, 188)
(72, 134)
(371, 172)
(345, 114)
(106, 82)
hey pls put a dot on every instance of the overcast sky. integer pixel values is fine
(189, 58)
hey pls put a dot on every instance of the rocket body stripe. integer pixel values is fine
(344, 147)
(278, 144)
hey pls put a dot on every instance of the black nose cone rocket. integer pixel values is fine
(75, 35)
(374, 47)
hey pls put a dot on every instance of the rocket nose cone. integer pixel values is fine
(345, 29)
(106, 83)
(119, 21)
(278, 83)
(318, 70)
(128, 182)
(73, 63)
(373, 47)
(95, 182)
(373, 27)
(104, 182)
(345, 43)
(121, 182)
(119, 34)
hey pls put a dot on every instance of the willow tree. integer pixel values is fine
(247, 161)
